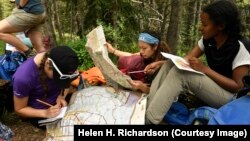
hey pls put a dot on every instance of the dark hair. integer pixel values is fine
(162, 46)
(65, 59)
(226, 13)
(43, 76)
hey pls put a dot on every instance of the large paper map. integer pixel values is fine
(96, 47)
(99, 105)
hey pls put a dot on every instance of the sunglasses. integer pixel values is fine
(64, 76)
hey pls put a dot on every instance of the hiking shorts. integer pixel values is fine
(26, 21)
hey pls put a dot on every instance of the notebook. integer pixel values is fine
(54, 119)
(180, 62)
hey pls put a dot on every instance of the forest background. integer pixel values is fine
(69, 21)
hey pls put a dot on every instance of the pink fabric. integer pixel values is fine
(132, 63)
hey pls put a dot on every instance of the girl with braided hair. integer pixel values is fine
(44, 77)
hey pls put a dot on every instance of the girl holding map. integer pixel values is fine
(143, 65)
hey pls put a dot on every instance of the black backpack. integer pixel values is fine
(6, 97)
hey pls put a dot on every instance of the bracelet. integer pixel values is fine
(114, 51)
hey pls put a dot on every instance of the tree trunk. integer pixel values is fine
(71, 19)
(57, 21)
(189, 24)
(79, 18)
(114, 12)
(233, 1)
(196, 21)
(164, 21)
(49, 29)
(174, 23)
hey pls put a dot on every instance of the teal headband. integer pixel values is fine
(145, 37)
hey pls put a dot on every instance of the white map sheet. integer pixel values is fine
(99, 105)
(96, 47)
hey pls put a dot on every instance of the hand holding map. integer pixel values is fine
(179, 62)
(96, 47)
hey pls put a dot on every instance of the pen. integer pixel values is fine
(135, 71)
(45, 103)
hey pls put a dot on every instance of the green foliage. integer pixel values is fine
(85, 61)
(6, 8)
(119, 38)
(183, 51)
(118, 20)
(2, 47)
(244, 8)
(110, 12)
(1, 10)
(113, 35)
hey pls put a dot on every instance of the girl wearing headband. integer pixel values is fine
(149, 59)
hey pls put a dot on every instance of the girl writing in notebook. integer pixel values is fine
(44, 77)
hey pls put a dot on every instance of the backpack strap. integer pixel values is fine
(81, 84)
(246, 88)
(242, 92)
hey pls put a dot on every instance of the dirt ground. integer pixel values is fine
(23, 131)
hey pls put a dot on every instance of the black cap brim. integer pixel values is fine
(66, 61)
(63, 83)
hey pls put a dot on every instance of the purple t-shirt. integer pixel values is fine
(26, 83)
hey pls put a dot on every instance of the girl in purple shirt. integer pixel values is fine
(44, 77)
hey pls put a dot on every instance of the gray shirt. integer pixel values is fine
(32, 6)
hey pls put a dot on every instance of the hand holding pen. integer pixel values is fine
(52, 111)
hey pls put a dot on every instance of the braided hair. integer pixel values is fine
(42, 75)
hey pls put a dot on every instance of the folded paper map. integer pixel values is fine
(96, 47)
(179, 62)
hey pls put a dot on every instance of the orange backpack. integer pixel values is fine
(93, 76)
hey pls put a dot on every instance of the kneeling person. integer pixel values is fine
(44, 77)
